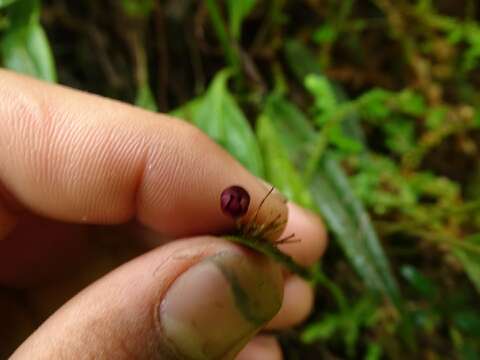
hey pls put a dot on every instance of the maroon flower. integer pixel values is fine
(234, 201)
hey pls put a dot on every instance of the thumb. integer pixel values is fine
(200, 298)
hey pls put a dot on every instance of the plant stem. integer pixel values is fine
(220, 28)
(455, 243)
(431, 236)
(335, 290)
(269, 249)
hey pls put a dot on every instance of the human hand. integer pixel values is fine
(87, 184)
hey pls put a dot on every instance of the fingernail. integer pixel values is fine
(217, 305)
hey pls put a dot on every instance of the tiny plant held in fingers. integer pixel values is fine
(234, 202)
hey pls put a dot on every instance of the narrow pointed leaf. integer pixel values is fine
(352, 227)
(24, 45)
(280, 171)
(218, 115)
(145, 98)
(470, 259)
(5, 3)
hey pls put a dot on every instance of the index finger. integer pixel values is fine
(81, 158)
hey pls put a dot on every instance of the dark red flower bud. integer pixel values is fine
(234, 201)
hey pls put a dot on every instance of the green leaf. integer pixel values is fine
(400, 134)
(24, 45)
(222, 119)
(218, 114)
(342, 141)
(309, 72)
(348, 220)
(374, 104)
(323, 93)
(374, 352)
(231, 52)
(418, 281)
(436, 117)
(300, 60)
(323, 329)
(337, 120)
(469, 351)
(325, 34)
(238, 10)
(294, 130)
(145, 98)
(470, 259)
(137, 8)
(476, 118)
(280, 171)
(346, 324)
(467, 320)
(26, 50)
(304, 64)
(5, 3)
(188, 110)
(411, 103)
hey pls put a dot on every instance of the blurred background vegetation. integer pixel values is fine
(363, 111)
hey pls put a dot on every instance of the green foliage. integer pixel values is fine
(399, 135)
(145, 98)
(137, 8)
(374, 352)
(325, 100)
(470, 34)
(300, 60)
(293, 127)
(419, 282)
(346, 325)
(468, 253)
(232, 56)
(237, 11)
(280, 170)
(329, 115)
(436, 117)
(5, 3)
(24, 46)
(325, 34)
(188, 110)
(219, 115)
(332, 194)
